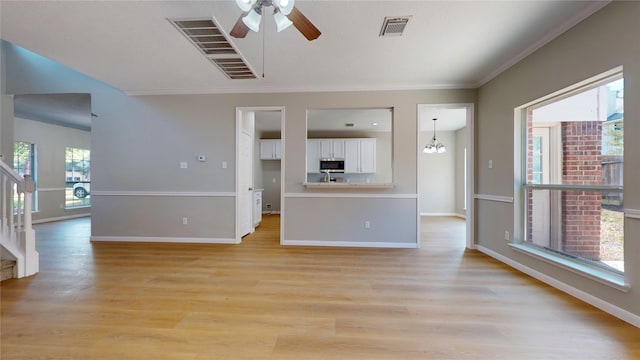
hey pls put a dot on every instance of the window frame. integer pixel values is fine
(583, 267)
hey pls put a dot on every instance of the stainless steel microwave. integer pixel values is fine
(333, 165)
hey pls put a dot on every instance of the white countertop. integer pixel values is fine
(346, 185)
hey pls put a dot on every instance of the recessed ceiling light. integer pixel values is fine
(374, 123)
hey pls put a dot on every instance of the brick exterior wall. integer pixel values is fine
(581, 210)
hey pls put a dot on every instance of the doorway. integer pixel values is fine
(445, 179)
(260, 168)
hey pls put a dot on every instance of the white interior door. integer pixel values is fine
(245, 182)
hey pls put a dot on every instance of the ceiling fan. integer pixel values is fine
(285, 14)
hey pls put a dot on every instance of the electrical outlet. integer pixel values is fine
(224, 164)
(367, 224)
(506, 235)
(183, 164)
(185, 221)
(490, 164)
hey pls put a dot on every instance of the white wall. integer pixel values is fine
(438, 175)
(461, 143)
(51, 142)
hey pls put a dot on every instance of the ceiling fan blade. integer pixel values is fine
(303, 24)
(240, 30)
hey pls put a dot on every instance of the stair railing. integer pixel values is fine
(17, 236)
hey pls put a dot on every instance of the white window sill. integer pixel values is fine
(602, 276)
(77, 207)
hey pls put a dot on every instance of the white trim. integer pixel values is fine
(349, 244)
(498, 198)
(632, 213)
(594, 273)
(186, 240)
(271, 212)
(50, 189)
(267, 90)
(333, 186)
(577, 293)
(551, 35)
(347, 195)
(442, 214)
(60, 218)
(163, 193)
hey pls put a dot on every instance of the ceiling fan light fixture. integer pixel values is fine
(246, 5)
(253, 18)
(282, 22)
(285, 6)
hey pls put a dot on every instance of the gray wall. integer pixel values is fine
(602, 42)
(51, 141)
(6, 113)
(138, 143)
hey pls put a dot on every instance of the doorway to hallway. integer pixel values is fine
(445, 178)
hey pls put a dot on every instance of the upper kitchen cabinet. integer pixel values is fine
(270, 149)
(362, 137)
(360, 156)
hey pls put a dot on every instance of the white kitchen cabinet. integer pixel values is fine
(314, 153)
(332, 148)
(270, 149)
(360, 156)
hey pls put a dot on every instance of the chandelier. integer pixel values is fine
(434, 147)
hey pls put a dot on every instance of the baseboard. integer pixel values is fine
(349, 244)
(60, 218)
(185, 240)
(271, 212)
(605, 306)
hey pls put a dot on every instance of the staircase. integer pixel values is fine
(17, 238)
(8, 270)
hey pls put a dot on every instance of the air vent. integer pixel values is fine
(206, 35)
(349, 124)
(394, 26)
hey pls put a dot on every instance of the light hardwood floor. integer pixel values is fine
(259, 300)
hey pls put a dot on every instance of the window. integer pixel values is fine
(24, 163)
(78, 176)
(573, 160)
